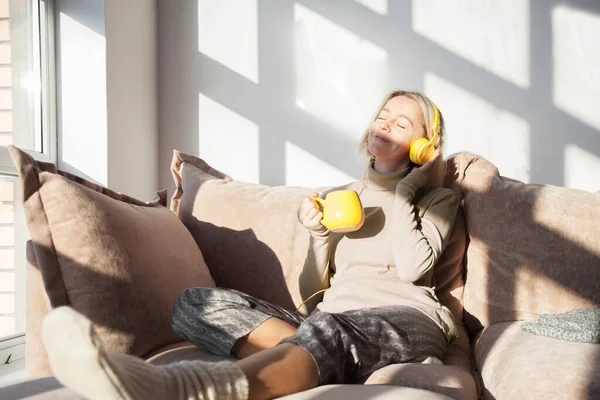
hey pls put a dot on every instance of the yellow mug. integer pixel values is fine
(342, 211)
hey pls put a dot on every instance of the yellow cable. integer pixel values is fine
(310, 297)
(363, 180)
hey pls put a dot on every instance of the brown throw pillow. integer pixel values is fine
(119, 261)
(253, 242)
(533, 249)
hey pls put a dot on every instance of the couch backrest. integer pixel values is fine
(252, 240)
(533, 249)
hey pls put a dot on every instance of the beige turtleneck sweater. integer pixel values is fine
(390, 260)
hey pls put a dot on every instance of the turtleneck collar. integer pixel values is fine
(380, 181)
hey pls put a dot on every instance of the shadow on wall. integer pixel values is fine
(288, 99)
(280, 91)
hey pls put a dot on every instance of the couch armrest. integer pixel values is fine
(38, 305)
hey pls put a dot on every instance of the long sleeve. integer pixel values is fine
(315, 273)
(418, 241)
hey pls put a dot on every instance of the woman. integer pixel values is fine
(379, 305)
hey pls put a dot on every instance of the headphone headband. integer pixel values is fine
(436, 120)
(435, 128)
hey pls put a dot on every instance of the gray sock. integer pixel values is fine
(79, 362)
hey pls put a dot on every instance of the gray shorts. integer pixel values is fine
(345, 346)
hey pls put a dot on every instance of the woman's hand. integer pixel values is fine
(428, 166)
(417, 178)
(310, 215)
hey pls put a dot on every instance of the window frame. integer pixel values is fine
(46, 42)
(12, 347)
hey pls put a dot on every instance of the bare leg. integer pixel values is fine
(279, 371)
(265, 336)
(79, 361)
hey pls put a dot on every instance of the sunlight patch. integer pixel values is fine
(340, 77)
(577, 63)
(228, 33)
(473, 124)
(493, 35)
(582, 169)
(304, 169)
(83, 99)
(227, 141)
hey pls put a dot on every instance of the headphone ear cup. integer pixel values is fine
(421, 151)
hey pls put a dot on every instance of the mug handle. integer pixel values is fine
(319, 202)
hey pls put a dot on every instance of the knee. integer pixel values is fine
(184, 298)
(324, 336)
(183, 302)
(322, 319)
(324, 325)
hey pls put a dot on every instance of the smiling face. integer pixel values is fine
(398, 124)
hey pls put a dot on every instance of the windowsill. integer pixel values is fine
(12, 359)
(12, 340)
(12, 372)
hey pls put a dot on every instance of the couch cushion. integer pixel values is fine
(517, 364)
(453, 379)
(183, 351)
(533, 249)
(51, 389)
(443, 379)
(117, 260)
(253, 242)
(353, 392)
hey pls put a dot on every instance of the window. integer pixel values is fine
(27, 120)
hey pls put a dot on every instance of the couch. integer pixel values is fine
(516, 251)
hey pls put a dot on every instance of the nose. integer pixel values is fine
(384, 126)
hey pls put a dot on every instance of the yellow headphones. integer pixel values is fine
(422, 149)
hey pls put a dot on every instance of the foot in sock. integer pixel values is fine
(79, 362)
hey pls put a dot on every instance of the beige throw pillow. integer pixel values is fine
(119, 261)
(249, 234)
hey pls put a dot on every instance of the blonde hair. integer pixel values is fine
(427, 108)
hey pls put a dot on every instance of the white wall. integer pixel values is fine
(107, 92)
(279, 91)
(81, 88)
(132, 96)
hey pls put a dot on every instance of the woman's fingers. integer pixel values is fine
(317, 218)
(309, 212)
(428, 165)
(312, 213)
